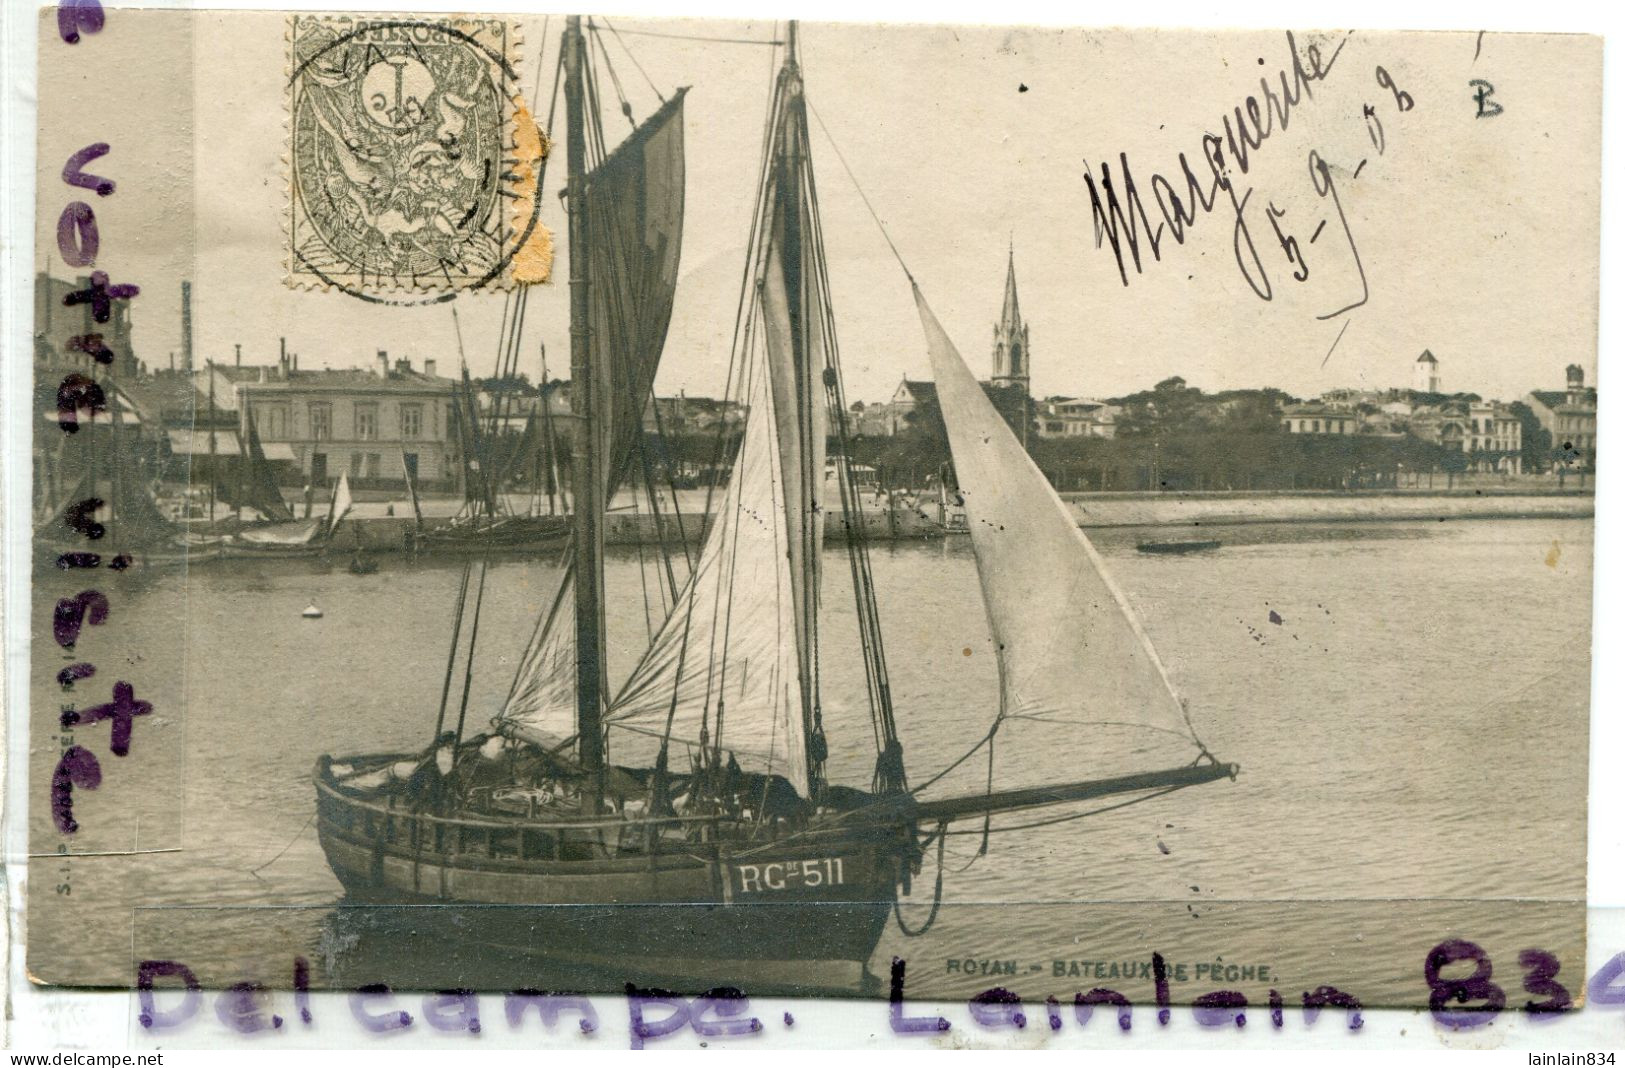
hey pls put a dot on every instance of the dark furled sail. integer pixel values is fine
(259, 484)
(635, 220)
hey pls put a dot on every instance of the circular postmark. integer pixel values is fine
(403, 182)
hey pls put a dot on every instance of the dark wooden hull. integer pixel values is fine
(507, 533)
(820, 895)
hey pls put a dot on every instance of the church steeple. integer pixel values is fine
(1010, 357)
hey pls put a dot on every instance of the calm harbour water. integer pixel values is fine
(1412, 735)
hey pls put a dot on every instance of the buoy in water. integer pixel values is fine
(311, 611)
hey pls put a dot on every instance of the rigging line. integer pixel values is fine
(865, 196)
(510, 390)
(541, 52)
(738, 355)
(468, 662)
(876, 673)
(543, 624)
(772, 460)
(552, 107)
(972, 751)
(643, 577)
(509, 309)
(752, 264)
(451, 659)
(772, 41)
(676, 507)
(1074, 815)
(255, 871)
(682, 657)
(1046, 718)
(599, 147)
(649, 490)
(634, 59)
(615, 79)
(936, 895)
(743, 368)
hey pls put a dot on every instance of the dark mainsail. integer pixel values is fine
(634, 209)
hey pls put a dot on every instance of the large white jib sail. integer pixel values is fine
(1071, 648)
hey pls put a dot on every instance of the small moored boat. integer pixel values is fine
(1178, 547)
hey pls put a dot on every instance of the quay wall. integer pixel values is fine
(1094, 511)
(390, 533)
(1154, 510)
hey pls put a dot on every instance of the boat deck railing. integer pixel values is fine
(542, 838)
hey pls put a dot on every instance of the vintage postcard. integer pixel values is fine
(542, 503)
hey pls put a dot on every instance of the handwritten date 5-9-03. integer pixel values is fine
(1122, 218)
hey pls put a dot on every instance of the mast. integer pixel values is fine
(245, 462)
(588, 390)
(801, 292)
(211, 433)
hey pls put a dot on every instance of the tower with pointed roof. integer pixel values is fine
(1011, 365)
(1425, 373)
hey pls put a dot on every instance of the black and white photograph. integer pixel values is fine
(835, 510)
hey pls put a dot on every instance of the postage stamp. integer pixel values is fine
(402, 154)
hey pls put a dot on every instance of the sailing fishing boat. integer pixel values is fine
(278, 533)
(687, 816)
(109, 509)
(492, 457)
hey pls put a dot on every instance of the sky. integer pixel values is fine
(1476, 236)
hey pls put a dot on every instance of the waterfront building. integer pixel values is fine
(909, 396)
(1570, 416)
(1346, 397)
(374, 425)
(1487, 433)
(1494, 438)
(1315, 418)
(1076, 417)
(682, 414)
(869, 420)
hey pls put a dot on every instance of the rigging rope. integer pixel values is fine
(468, 662)
(676, 507)
(737, 354)
(541, 53)
(889, 772)
(936, 894)
(865, 196)
(1069, 817)
(451, 657)
(650, 491)
(771, 42)
(615, 79)
(643, 578)
(634, 59)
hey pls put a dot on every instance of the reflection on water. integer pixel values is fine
(1407, 702)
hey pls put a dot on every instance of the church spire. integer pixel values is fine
(1010, 362)
(1010, 321)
